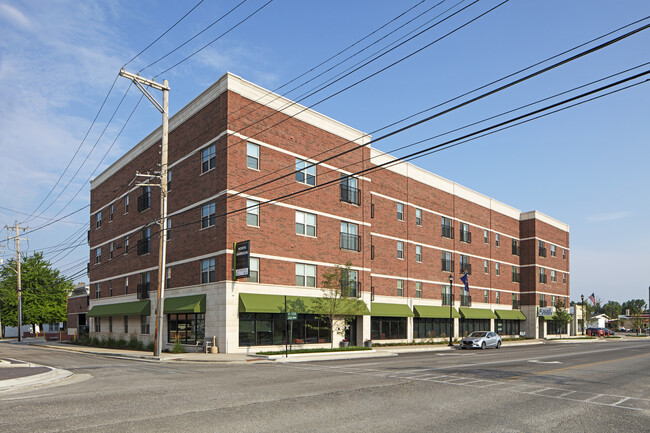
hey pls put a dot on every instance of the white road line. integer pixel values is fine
(621, 401)
(592, 398)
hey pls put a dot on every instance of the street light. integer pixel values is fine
(582, 301)
(451, 306)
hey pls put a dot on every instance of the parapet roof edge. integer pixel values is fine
(533, 214)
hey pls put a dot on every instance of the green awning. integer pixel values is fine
(256, 303)
(390, 310)
(477, 313)
(185, 304)
(136, 308)
(510, 315)
(435, 312)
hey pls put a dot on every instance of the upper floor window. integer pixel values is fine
(207, 271)
(126, 244)
(515, 247)
(126, 285)
(497, 269)
(400, 287)
(553, 253)
(98, 255)
(253, 156)
(110, 213)
(208, 215)
(169, 180)
(110, 287)
(305, 275)
(418, 217)
(486, 297)
(144, 242)
(418, 253)
(126, 203)
(208, 158)
(169, 228)
(305, 172)
(98, 290)
(447, 228)
(111, 247)
(400, 212)
(349, 282)
(350, 192)
(515, 274)
(418, 289)
(305, 224)
(400, 249)
(553, 276)
(486, 237)
(465, 266)
(253, 213)
(564, 277)
(465, 235)
(497, 297)
(447, 263)
(497, 239)
(542, 249)
(98, 221)
(486, 269)
(563, 253)
(254, 270)
(350, 240)
(542, 275)
(144, 200)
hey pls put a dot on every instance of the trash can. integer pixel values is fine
(367, 343)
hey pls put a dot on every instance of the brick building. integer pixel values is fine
(77, 307)
(405, 231)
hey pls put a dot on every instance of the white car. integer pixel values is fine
(481, 340)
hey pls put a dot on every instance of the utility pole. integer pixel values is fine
(162, 250)
(18, 288)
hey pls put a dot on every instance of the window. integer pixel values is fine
(186, 328)
(111, 247)
(169, 228)
(98, 255)
(515, 274)
(144, 325)
(400, 212)
(486, 268)
(564, 277)
(486, 297)
(465, 235)
(305, 172)
(387, 328)
(349, 238)
(418, 289)
(110, 287)
(418, 253)
(110, 214)
(98, 222)
(305, 275)
(169, 180)
(208, 158)
(126, 285)
(446, 295)
(515, 301)
(143, 243)
(486, 237)
(430, 328)
(400, 287)
(497, 269)
(447, 263)
(349, 283)
(253, 156)
(553, 300)
(464, 265)
(207, 271)
(143, 287)
(497, 239)
(110, 323)
(553, 253)
(208, 215)
(98, 290)
(262, 329)
(542, 275)
(144, 200)
(563, 254)
(126, 244)
(400, 249)
(497, 297)
(447, 228)
(126, 204)
(126, 324)
(254, 273)
(98, 324)
(350, 192)
(553, 276)
(305, 224)
(168, 277)
(252, 213)
(542, 249)
(515, 247)
(418, 217)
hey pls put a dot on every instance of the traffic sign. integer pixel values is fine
(292, 316)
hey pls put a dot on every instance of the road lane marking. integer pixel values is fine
(544, 362)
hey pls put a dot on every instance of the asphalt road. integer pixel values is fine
(551, 387)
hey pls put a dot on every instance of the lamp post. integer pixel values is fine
(451, 307)
(582, 302)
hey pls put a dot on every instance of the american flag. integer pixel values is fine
(592, 298)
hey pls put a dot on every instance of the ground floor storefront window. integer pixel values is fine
(431, 328)
(467, 326)
(387, 328)
(553, 328)
(261, 329)
(507, 327)
(186, 328)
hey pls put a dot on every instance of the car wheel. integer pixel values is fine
(483, 345)
(498, 345)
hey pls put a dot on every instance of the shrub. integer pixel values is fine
(178, 347)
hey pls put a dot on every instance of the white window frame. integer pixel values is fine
(400, 211)
(497, 239)
(497, 269)
(306, 223)
(208, 215)
(98, 220)
(418, 217)
(209, 156)
(400, 288)
(305, 275)
(418, 289)
(254, 270)
(208, 266)
(418, 253)
(252, 213)
(306, 170)
(253, 156)
(400, 250)
(486, 267)
(98, 255)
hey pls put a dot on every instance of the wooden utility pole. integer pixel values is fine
(162, 250)
(17, 228)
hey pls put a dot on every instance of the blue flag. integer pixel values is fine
(464, 280)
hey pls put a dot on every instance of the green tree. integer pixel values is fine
(560, 316)
(339, 304)
(44, 292)
(612, 309)
(633, 305)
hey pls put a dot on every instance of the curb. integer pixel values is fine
(42, 379)
(325, 356)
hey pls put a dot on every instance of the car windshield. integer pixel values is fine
(478, 334)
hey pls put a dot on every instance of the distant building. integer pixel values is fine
(78, 303)
(405, 230)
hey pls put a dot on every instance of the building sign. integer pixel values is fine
(241, 259)
(545, 311)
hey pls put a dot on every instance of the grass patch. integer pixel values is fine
(641, 336)
(612, 336)
(322, 350)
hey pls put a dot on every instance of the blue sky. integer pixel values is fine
(587, 166)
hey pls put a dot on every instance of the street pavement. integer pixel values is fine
(602, 386)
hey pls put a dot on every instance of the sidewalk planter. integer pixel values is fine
(345, 343)
(367, 343)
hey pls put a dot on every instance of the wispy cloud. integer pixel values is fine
(606, 217)
(14, 16)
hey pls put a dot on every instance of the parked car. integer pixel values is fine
(595, 332)
(607, 332)
(621, 329)
(481, 340)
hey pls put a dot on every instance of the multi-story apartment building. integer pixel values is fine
(407, 233)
